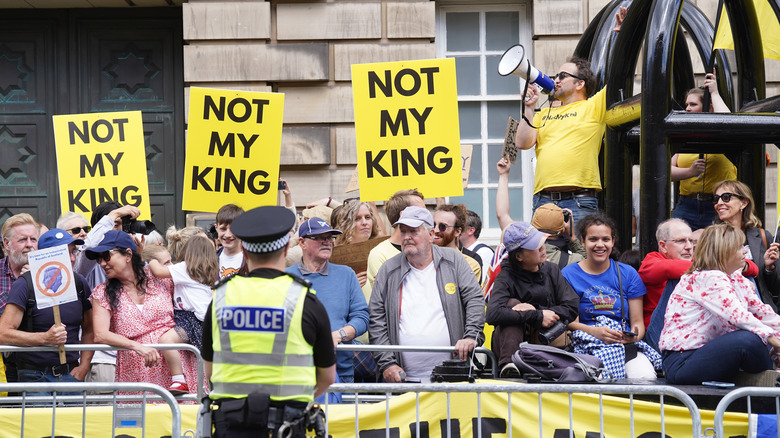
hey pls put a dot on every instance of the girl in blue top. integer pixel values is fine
(610, 324)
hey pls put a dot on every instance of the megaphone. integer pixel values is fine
(514, 62)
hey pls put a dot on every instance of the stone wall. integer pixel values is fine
(304, 50)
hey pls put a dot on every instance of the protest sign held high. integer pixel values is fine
(406, 125)
(101, 157)
(234, 143)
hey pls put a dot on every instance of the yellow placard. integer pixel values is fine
(234, 142)
(101, 157)
(406, 126)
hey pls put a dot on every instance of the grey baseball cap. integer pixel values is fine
(414, 216)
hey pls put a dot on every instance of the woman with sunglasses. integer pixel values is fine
(735, 206)
(132, 309)
(715, 325)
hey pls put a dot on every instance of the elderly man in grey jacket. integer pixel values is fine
(425, 296)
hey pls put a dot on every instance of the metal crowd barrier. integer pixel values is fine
(54, 401)
(745, 392)
(105, 347)
(424, 349)
(631, 390)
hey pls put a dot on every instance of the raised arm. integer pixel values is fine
(526, 135)
(502, 193)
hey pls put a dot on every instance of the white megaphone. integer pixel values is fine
(514, 62)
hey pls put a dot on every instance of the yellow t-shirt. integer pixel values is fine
(718, 168)
(568, 144)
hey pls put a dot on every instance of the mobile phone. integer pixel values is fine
(282, 185)
(628, 333)
(715, 384)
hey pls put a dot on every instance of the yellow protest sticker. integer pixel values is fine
(234, 142)
(406, 126)
(101, 157)
(450, 288)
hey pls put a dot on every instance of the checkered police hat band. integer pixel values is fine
(266, 247)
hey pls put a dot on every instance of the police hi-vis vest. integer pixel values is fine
(258, 340)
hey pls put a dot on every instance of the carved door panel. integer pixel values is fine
(79, 61)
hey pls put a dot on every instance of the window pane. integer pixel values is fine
(475, 175)
(516, 202)
(462, 31)
(502, 30)
(472, 198)
(467, 68)
(498, 116)
(469, 119)
(497, 84)
(494, 154)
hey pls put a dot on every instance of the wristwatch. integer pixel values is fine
(343, 335)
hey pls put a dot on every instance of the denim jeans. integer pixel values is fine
(580, 207)
(718, 360)
(698, 214)
(34, 376)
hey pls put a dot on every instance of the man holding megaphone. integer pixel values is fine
(567, 138)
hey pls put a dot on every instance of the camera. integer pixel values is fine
(551, 334)
(566, 216)
(132, 226)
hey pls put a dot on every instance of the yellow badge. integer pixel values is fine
(450, 288)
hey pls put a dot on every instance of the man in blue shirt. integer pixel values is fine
(337, 288)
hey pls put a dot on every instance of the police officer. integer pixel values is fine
(266, 337)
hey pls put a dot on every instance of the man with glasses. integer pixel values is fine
(448, 223)
(337, 288)
(426, 296)
(23, 324)
(567, 140)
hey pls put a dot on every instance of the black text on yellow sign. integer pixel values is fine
(98, 158)
(233, 148)
(406, 123)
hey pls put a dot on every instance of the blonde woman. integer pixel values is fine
(715, 325)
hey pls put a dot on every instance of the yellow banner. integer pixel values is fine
(406, 125)
(495, 415)
(234, 142)
(770, 30)
(101, 157)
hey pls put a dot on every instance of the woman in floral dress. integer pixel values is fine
(133, 308)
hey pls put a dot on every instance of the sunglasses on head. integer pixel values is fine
(76, 230)
(726, 197)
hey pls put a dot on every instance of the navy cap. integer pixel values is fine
(112, 239)
(315, 226)
(264, 229)
(57, 237)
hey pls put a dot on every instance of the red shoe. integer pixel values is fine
(178, 388)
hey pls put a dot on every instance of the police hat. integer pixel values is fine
(264, 229)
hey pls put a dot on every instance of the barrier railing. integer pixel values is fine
(56, 401)
(480, 389)
(408, 348)
(745, 392)
(105, 347)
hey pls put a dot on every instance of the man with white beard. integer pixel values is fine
(20, 236)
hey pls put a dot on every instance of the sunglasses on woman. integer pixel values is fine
(726, 197)
(106, 256)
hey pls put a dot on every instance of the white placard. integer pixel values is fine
(52, 276)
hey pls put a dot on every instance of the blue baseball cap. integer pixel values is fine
(315, 226)
(112, 239)
(57, 237)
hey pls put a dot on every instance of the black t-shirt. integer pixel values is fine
(314, 322)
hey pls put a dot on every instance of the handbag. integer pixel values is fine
(554, 364)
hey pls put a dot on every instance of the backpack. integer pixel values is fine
(553, 364)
